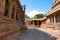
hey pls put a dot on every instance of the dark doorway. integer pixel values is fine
(31, 22)
(35, 22)
(39, 23)
(13, 12)
(6, 13)
(16, 16)
(6, 8)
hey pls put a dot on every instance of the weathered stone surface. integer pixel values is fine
(11, 16)
(35, 34)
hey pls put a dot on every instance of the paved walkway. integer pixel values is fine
(34, 34)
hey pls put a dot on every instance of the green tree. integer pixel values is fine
(38, 16)
(27, 17)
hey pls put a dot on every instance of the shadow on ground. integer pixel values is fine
(35, 34)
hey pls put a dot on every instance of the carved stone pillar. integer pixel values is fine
(15, 15)
(2, 7)
(10, 10)
(54, 19)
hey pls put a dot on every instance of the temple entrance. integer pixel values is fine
(37, 23)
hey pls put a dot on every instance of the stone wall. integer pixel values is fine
(11, 19)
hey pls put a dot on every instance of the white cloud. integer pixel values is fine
(33, 13)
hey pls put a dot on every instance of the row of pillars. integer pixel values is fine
(36, 23)
(53, 19)
(10, 12)
(13, 11)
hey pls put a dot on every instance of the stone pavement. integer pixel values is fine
(34, 34)
(55, 33)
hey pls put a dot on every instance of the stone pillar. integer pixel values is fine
(10, 9)
(15, 15)
(18, 15)
(50, 19)
(33, 23)
(54, 22)
(54, 19)
(58, 18)
(19, 20)
(37, 23)
(2, 7)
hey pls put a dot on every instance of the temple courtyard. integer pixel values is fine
(38, 34)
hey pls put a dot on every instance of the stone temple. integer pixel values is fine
(53, 16)
(11, 18)
(52, 19)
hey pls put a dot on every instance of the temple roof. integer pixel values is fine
(53, 11)
(55, 8)
(41, 19)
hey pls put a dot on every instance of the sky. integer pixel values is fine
(34, 7)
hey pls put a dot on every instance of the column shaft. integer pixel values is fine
(15, 15)
(10, 10)
(37, 23)
(33, 23)
(54, 19)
